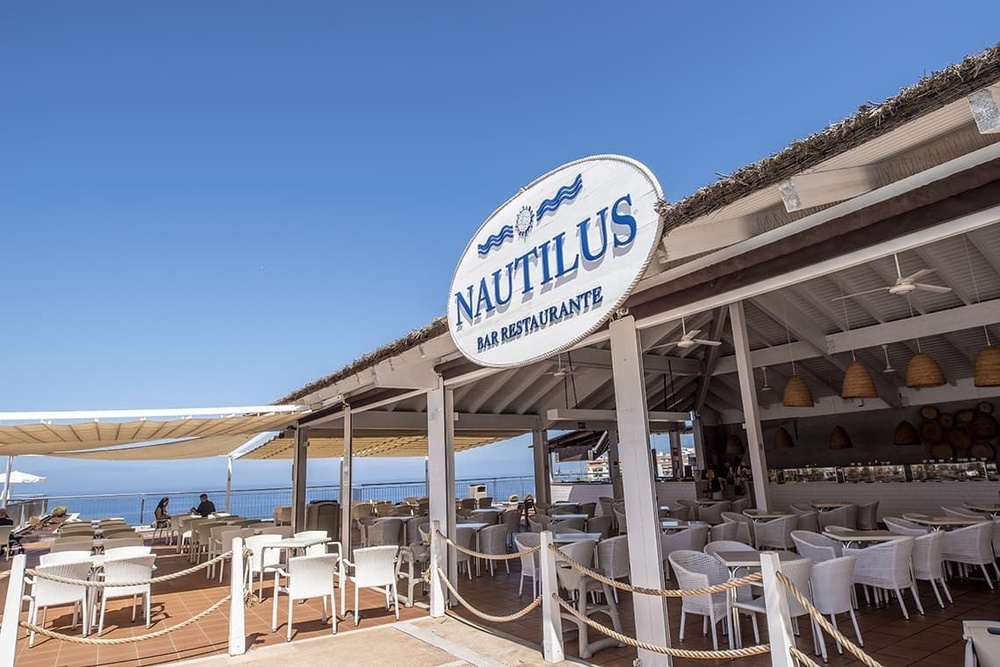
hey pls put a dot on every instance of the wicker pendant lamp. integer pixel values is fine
(783, 439)
(796, 394)
(839, 439)
(987, 373)
(858, 382)
(923, 371)
(734, 446)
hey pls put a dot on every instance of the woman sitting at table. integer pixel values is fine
(160, 517)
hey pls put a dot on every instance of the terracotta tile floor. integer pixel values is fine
(933, 640)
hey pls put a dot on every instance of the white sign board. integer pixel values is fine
(552, 264)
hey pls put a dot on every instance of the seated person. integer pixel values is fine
(205, 507)
(13, 542)
(161, 519)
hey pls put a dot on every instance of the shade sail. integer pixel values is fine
(51, 439)
(381, 445)
(192, 448)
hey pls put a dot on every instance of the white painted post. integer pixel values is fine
(552, 641)
(346, 468)
(12, 611)
(439, 594)
(641, 508)
(299, 469)
(237, 611)
(542, 468)
(614, 465)
(751, 411)
(441, 460)
(779, 623)
(229, 480)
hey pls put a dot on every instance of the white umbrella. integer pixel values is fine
(18, 477)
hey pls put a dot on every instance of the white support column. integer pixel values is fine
(441, 464)
(299, 463)
(779, 623)
(229, 480)
(543, 467)
(12, 611)
(439, 594)
(6, 480)
(697, 430)
(552, 641)
(237, 609)
(346, 464)
(751, 411)
(614, 465)
(645, 553)
(676, 460)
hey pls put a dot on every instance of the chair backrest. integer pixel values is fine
(713, 548)
(818, 547)
(128, 552)
(425, 532)
(712, 513)
(681, 513)
(484, 502)
(493, 539)
(558, 525)
(971, 541)
(413, 530)
(599, 524)
(776, 532)
(47, 592)
(886, 565)
(375, 566)
(725, 531)
(868, 515)
(135, 570)
(386, 531)
(311, 576)
(926, 556)
(620, 520)
(114, 542)
(64, 557)
(798, 572)
(464, 535)
(283, 531)
(807, 521)
(740, 504)
(832, 581)
(612, 557)
(689, 539)
(582, 552)
(695, 570)
(606, 503)
(511, 519)
(840, 516)
(590, 509)
(259, 557)
(951, 510)
(362, 510)
(312, 534)
(468, 503)
(68, 544)
(904, 527)
(564, 509)
(523, 542)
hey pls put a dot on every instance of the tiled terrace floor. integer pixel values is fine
(933, 640)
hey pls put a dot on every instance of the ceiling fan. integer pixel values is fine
(903, 285)
(688, 339)
(562, 370)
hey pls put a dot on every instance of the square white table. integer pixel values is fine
(669, 525)
(947, 522)
(562, 517)
(981, 648)
(566, 538)
(849, 537)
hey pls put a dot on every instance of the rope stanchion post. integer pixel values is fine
(12, 611)
(552, 641)
(237, 606)
(779, 622)
(439, 595)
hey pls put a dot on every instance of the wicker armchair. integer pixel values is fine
(831, 595)
(529, 562)
(726, 531)
(712, 514)
(690, 539)
(697, 570)
(612, 556)
(904, 527)
(928, 564)
(798, 571)
(776, 533)
(971, 545)
(887, 566)
(493, 541)
(868, 515)
(819, 548)
(744, 531)
(372, 567)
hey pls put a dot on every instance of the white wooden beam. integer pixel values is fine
(565, 414)
(808, 190)
(985, 107)
(651, 363)
(346, 483)
(695, 239)
(751, 416)
(441, 471)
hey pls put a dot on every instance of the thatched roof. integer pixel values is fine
(929, 94)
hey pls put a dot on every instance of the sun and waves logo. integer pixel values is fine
(526, 218)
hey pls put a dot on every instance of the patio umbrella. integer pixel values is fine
(16, 477)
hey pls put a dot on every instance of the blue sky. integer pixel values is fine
(211, 204)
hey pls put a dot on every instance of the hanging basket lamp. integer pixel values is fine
(858, 382)
(797, 394)
(734, 446)
(987, 373)
(783, 439)
(923, 371)
(839, 439)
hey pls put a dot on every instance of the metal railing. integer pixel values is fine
(137, 508)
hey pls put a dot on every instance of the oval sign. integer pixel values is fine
(552, 264)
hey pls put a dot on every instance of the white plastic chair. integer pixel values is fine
(127, 570)
(307, 577)
(529, 563)
(64, 557)
(226, 544)
(831, 595)
(696, 570)
(372, 567)
(818, 547)
(316, 549)
(46, 593)
(261, 560)
(928, 565)
(887, 566)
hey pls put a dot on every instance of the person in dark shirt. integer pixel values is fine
(205, 507)
(13, 541)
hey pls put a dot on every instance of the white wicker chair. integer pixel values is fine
(560, 525)
(132, 541)
(46, 593)
(529, 563)
(612, 559)
(904, 527)
(372, 567)
(683, 513)
(739, 505)
(798, 571)
(963, 512)
(807, 521)
(621, 521)
(712, 514)
(261, 560)
(75, 556)
(385, 532)
(726, 531)
(887, 566)
(307, 577)
(128, 552)
(695, 570)
(493, 541)
(928, 565)
(693, 539)
(713, 548)
(579, 588)
(972, 545)
(868, 515)
(845, 515)
(127, 570)
(409, 568)
(744, 532)
(776, 533)
(464, 537)
(599, 524)
(831, 595)
(818, 547)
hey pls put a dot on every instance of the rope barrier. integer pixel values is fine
(717, 588)
(825, 624)
(103, 584)
(667, 650)
(489, 617)
(802, 657)
(124, 640)
(476, 554)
